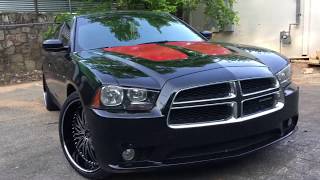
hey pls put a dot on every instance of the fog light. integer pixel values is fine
(128, 154)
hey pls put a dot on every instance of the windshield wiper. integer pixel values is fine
(156, 42)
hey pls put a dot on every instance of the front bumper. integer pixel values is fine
(157, 145)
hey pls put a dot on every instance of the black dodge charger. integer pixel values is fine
(143, 90)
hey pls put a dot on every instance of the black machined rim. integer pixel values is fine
(77, 140)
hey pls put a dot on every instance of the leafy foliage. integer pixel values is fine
(218, 10)
(52, 29)
(125, 28)
(222, 13)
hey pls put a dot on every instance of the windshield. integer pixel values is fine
(130, 29)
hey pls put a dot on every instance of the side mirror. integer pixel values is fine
(53, 45)
(207, 34)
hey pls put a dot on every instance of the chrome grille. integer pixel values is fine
(218, 103)
(258, 104)
(215, 91)
(202, 114)
(254, 86)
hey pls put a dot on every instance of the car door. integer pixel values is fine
(60, 65)
(49, 70)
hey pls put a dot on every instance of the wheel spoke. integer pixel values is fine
(83, 154)
(91, 154)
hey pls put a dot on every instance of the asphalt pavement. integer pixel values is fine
(30, 148)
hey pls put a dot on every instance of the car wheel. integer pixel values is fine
(47, 98)
(76, 140)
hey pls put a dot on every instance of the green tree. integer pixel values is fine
(221, 12)
(218, 11)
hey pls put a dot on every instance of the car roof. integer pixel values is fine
(135, 12)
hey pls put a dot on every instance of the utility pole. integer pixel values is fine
(70, 7)
(36, 6)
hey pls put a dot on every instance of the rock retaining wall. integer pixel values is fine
(20, 43)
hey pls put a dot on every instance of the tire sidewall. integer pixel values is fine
(98, 174)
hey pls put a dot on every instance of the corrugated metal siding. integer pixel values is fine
(17, 5)
(43, 5)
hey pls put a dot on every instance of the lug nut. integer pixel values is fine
(128, 154)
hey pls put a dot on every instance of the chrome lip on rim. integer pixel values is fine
(66, 148)
(45, 98)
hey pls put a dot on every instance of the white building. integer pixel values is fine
(261, 22)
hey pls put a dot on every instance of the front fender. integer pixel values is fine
(84, 81)
(275, 61)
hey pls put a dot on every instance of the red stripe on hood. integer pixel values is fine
(202, 47)
(151, 52)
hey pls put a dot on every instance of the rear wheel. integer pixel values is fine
(76, 139)
(48, 99)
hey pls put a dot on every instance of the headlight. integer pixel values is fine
(137, 95)
(284, 76)
(117, 98)
(111, 96)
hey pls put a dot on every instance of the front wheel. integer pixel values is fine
(76, 139)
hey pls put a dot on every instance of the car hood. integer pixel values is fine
(152, 65)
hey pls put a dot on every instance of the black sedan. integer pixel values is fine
(143, 90)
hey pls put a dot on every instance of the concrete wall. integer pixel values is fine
(312, 26)
(261, 22)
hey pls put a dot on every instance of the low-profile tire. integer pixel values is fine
(76, 141)
(48, 99)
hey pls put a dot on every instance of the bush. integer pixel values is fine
(219, 10)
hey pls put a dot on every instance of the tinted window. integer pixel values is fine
(130, 29)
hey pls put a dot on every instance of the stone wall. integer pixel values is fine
(20, 42)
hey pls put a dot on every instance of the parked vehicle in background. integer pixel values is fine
(143, 90)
